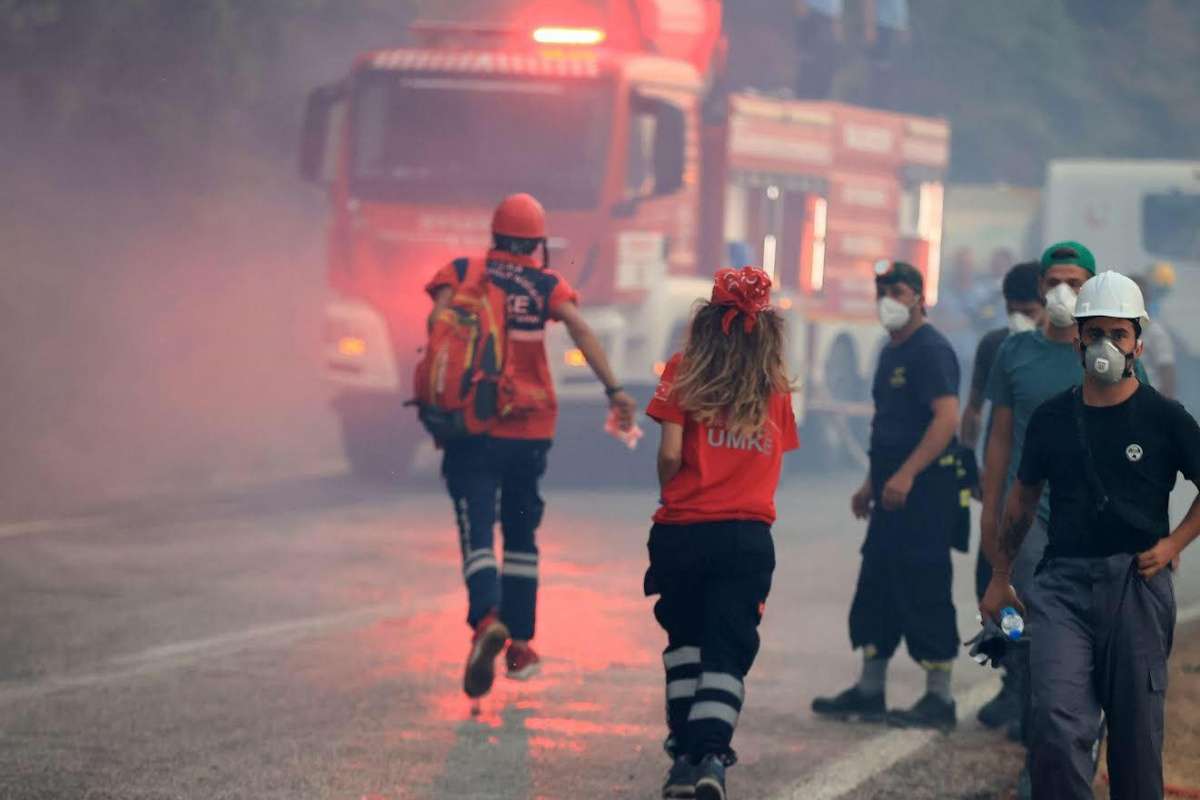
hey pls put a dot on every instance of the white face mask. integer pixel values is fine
(893, 314)
(1019, 323)
(1107, 362)
(1060, 306)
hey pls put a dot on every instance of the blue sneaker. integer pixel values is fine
(681, 779)
(710, 778)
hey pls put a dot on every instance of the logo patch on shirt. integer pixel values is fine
(899, 377)
(1134, 452)
(760, 442)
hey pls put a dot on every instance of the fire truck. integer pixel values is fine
(616, 115)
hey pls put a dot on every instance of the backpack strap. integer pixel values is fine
(472, 275)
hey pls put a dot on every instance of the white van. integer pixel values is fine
(1131, 214)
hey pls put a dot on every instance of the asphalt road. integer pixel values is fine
(306, 639)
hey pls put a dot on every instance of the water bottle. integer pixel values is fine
(1011, 623)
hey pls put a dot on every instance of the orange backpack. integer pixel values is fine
(457, 379)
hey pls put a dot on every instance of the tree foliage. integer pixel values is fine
(1027, 80)
(1021, 81)
(165, 78)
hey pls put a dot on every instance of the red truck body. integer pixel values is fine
(611, 112)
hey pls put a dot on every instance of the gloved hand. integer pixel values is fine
(990, 644)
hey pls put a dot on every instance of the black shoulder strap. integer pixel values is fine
(1099, 494)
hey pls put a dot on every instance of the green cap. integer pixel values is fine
(889, 272)
(1068, 253)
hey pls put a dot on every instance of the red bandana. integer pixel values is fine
(747, 290)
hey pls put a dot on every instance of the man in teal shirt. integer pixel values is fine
(1029, 369)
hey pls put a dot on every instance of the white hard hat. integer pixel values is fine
(1111, 294)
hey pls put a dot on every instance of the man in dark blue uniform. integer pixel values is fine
(912, 499)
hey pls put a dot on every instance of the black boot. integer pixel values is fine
(852, 703)
(930, 711)
(1004, 708)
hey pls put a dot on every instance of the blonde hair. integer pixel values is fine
(728, 379)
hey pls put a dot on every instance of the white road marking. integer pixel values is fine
(9, 530)
(874, 755)
(878, 753)
(180, 654)
(225, 482)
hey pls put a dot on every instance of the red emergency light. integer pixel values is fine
(576, 36)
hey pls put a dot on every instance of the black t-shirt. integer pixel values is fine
(910, 376)
(1138, 448)
(985, 356)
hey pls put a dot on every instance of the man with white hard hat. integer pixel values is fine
(1102, 615)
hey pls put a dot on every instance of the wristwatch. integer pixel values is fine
(609, 391)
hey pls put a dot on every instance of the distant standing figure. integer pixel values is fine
(818, 38)
(1160, 348)
(955, 312)
(887, 33)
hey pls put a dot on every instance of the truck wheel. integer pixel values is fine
(379, 436)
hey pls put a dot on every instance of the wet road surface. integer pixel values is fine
(306, 640)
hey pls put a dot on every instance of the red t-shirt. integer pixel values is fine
(533, 297)
(723, 476)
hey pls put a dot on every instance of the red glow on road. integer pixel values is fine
(567, 726)
(598, 641)
(545, 743)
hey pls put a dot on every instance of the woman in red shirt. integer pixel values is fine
(726, 414)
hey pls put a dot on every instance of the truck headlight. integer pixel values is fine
(351, 346)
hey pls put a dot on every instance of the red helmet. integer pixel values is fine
(520, 216)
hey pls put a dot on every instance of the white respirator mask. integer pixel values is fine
(893, 314)
(1106, 362)
(1060, 306)
(1020, 323)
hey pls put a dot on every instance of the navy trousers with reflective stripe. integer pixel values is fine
(477, 471)
(1099, 638)
(713, 579)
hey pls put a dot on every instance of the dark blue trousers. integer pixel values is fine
(713, 579)
(905, 584)
(478, 472)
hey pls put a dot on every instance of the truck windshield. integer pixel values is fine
(440, 139)
(1171, 225)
